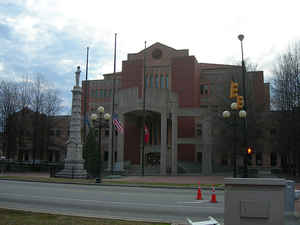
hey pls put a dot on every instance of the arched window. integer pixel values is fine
(150, 81)
(157, 81)
(161, 81)
(166, 81)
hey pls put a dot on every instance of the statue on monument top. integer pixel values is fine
(77, 76)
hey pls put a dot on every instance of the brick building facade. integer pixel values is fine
(184, 101)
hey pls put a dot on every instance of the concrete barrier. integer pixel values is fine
(258, 201)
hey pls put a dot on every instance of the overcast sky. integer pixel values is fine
(50, 37)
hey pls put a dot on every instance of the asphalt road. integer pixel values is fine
(147, 204)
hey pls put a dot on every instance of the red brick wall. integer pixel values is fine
(259, 90)
(186, 152)
(132, 143)
(183, 79)
(186, 127)
(197, 85)
(87, 98)
(132, 75)
(267, 96)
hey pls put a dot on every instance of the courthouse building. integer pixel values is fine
(184, 101)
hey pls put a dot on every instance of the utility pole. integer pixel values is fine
(144, 112)
(85, 95)
(113, 110)
(245, 142)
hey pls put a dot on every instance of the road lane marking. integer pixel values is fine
(198, 201)
(101, 202)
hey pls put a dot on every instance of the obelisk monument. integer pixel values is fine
(74, 163)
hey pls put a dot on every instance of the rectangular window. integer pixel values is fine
(259, 158)
(150, 81)
(157, 81)
(224, 160)
(273, 158)
(204, 89)
(199, 130)
(51, 132)
(166, 81)
(199, 157)
(145, 81)
(273, 131)
(161, 81)
(57, 133)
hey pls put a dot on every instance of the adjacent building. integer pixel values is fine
(35, 137)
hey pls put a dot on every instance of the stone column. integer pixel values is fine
(174, 144)
(266, 159)
(206, 159)
(120, 149)
(163, 145)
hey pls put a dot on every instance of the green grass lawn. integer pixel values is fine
(17, 217)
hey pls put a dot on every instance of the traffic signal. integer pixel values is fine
(249, 151)
(234, 89)
(240, 102)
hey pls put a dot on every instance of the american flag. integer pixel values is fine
(118, 125)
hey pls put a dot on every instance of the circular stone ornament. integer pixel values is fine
(157, 53)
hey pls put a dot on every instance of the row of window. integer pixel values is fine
(101, 93)
(157, 81)
(152, 81)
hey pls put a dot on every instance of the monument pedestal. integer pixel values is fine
(73, 169)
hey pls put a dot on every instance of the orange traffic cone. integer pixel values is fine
(213, 196)
(199, 195)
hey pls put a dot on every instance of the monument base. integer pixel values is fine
(73, 169)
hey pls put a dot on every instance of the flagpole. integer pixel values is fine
(144, 112)
(113, 110)
(85, 94)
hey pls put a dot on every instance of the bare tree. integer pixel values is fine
(51, 107)
(9, 104)
(24, 95)
(286, 98)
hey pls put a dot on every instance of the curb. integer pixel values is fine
(119, 185)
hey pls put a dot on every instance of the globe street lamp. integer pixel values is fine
(100, 119)
(242, 114)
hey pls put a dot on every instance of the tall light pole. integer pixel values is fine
(242, 114)
(241, 38)
(144, 113)
(100, 120)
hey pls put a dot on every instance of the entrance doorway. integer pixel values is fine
(153, 159)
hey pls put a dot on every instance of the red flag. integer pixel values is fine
(147, 134)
